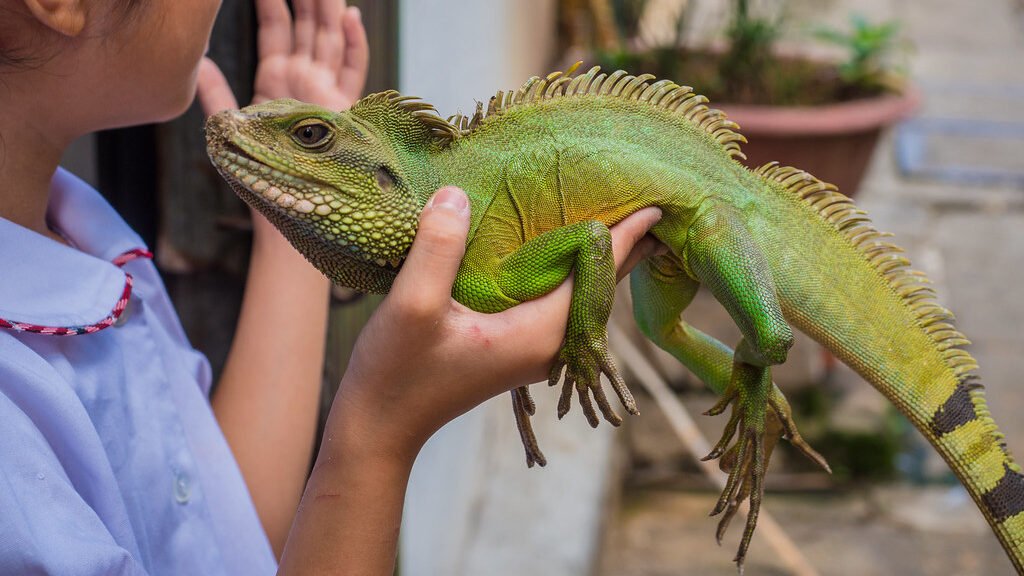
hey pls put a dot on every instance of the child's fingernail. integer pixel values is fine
(355, 10)
(450, 198)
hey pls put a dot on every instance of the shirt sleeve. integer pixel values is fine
(46, 524)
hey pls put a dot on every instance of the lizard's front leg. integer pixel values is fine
(536, 268)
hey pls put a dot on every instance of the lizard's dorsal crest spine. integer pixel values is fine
(664, 94)
(912, 286)
(416, 108)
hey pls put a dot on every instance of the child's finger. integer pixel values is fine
(626, 234)
(352, 75)
(330, 35)
(647, 246)
(305, 27)
(275, 28)
(213, 90)
(423, 288)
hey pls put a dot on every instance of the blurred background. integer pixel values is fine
(914, 107)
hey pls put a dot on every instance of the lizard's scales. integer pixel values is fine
(548, 166)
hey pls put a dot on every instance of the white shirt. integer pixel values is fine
(111, 461)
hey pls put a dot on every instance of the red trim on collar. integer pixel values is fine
(111, 318)
(132, 255)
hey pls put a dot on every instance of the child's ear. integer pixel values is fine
(64, 16)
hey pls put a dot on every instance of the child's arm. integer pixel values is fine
(422, 360)
(267, 399)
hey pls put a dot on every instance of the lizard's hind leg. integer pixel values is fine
(721, 256)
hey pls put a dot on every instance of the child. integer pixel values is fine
(112, 457)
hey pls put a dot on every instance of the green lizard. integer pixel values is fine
(548, 167)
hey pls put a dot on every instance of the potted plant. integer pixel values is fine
(822, 116)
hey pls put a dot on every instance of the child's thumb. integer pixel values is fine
(424, 285)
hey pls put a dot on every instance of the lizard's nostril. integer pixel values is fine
(221, 126)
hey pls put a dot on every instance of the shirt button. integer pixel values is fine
(182, 488)
(123, 318)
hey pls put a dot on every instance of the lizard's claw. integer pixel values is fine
(523, 407)
(584, 360)
(744, 460)
(782, 416)
(747, 459)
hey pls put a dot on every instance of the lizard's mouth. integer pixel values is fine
(275, 212)
(251, 181)
(255, 169)
(283, 191)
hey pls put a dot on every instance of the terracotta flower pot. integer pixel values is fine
(833, 142)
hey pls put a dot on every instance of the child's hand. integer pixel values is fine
(424, 359)
(320, 58)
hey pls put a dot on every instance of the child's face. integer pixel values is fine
(149, 62)
(126, 62)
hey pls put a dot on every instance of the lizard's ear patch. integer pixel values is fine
(384, 178)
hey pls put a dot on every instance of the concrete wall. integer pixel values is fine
(473, 507)
(452, 51)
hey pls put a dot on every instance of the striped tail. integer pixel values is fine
(963, 432)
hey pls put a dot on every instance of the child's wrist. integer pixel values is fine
(338, 457)
(264, 232)
(355, 432)
(268, 242)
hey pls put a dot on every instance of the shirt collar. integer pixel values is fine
(51, 288)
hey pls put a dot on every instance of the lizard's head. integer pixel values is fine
(326, 181)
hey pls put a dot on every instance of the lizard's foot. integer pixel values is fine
(524, 407)
(746, 460)
(584, 360)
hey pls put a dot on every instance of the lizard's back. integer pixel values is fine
(557, 161)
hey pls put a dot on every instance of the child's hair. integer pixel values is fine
(20, 57)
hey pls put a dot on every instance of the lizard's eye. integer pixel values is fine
(312, 134)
